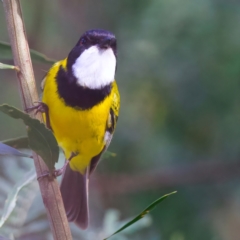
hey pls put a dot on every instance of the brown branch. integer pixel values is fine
(174, 176)
(50, 191)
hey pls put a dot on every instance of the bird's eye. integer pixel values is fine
(83, 41)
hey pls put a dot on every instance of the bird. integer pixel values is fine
(81, 105)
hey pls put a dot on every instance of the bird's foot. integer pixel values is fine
(56, 173)
(41, 108)
(60, 171)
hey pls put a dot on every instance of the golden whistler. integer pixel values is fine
(81, 103)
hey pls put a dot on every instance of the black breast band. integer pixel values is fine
(77, 96)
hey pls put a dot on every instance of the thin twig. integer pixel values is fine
(167, 177)
(50, 191)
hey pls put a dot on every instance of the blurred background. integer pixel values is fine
(179, 78)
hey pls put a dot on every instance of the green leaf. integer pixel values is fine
(7, 150)
(41, 139)
(20, 142)
(39, 57)
(108, 154)
(6, 66)
(13, 196)
(142, 214)
(6, 53)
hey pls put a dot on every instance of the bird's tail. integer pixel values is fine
(74, 190)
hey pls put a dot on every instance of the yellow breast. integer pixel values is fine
(78, 131)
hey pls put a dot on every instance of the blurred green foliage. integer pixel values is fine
(178, 75)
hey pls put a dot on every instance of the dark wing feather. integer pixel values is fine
(110, 127)
(95, 161)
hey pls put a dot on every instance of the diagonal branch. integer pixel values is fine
(168, 177)
(50, 191)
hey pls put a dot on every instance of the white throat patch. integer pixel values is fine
(95, 68)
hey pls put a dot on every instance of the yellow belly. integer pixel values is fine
(76, 131)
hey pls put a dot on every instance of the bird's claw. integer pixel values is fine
(56, 173)
(39, 108)
(60, 171)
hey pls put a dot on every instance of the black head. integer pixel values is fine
(97, 37)
(102, 38)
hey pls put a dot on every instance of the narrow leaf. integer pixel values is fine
(6, 66)
(20, 142)
(6, 53)
(41, 139)
(108, 154)
(7, 150)
(142, 214)
(13, 196)
(39, 57)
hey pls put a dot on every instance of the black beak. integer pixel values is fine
(107, 43)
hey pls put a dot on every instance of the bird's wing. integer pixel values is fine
(43, 82)
(110, 125)
(113, 115)
(115, 100)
